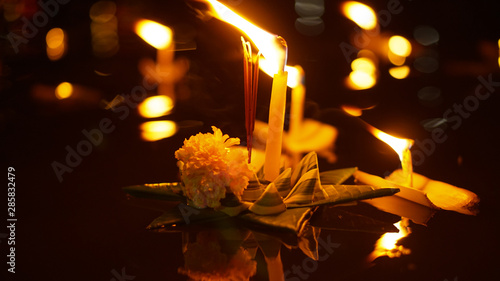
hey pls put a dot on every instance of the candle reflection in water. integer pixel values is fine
(157, 130)
(388, 243)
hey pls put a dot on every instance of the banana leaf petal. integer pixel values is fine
(338, 194)
(290, 220)
(337, 176)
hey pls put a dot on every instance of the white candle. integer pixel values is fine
(274, 141)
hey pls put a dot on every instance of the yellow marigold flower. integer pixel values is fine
(209, 168)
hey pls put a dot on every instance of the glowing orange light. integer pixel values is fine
(499, 52)
(386, 245)
(156, 106)
(395, 59)
(400, 46)
(361, 14)
(155, 34)
(364, 65)
(360, 80)
(352, 110)
(400, 72)
(64, 90)
(295, 76)
(271, 46)
(399, 145)
(56, 43)
(157, 130)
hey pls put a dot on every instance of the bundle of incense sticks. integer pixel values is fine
(251, 78)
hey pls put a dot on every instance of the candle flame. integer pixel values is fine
(361, 14)
(155, 34)
(295, 73)
(400, 145)
(271, 46)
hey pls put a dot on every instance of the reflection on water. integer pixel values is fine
(229, 252)
(217, 255)
(387, 244)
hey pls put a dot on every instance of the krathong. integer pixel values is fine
(214, 179)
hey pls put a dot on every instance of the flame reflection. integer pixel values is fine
(387, 244)
(156, 106)
(157, 130)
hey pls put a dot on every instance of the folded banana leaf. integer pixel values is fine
(298, 192)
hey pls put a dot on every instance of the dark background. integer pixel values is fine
(84, 226)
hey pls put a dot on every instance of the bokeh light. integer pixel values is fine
(399, 72)
(156, 106)
(64, 90)
(361, 14)
(157, 130)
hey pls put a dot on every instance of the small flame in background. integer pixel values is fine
(361, 14)
(155, 34)
(387, 244)
(400, 145)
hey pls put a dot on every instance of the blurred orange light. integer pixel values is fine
(351, 110)
(395, 59)
(400, 46)
(360, 80)
(56, 43)
(364, 65)
(399, 72)
(157, 130)
(64, 90)
(155, 34)
(361, 14)
(156, 106)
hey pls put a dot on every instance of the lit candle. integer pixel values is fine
(402, 148)
(296, 82)
(160, 37)
(274, 49)
(297, 107)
